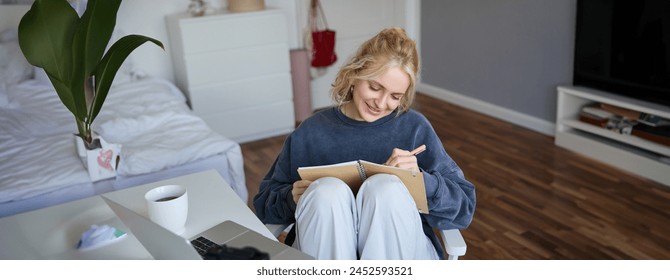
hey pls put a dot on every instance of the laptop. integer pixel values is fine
(163, 244)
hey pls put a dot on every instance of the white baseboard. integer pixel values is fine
(505, 114)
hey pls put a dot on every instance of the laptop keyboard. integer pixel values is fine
(202, 244)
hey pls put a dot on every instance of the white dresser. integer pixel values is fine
(235, 70)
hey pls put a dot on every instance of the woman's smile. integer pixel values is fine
(377, 98)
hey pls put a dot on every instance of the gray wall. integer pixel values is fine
(510, 53)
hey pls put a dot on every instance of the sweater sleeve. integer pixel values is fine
(274, 202)
(451, 198)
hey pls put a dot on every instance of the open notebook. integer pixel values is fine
(353, 173)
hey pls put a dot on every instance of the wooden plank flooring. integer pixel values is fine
(534, 200)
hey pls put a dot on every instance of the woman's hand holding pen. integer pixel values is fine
(405, 159)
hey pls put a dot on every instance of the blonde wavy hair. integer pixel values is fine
(389, 48)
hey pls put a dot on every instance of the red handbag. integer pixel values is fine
(323, 41)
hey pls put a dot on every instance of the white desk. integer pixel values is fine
(53, 232)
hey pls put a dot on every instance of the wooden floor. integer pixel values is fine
(534, 200)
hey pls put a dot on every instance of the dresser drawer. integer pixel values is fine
(216, 67)
(241, 93)
(235, 68)
(253, 123)
(213, 33)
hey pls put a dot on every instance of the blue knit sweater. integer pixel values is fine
(330, 137)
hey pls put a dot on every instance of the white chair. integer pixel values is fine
(454, 244)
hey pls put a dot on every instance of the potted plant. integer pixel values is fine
(71, 50)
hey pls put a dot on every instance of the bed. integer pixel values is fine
(159, 135)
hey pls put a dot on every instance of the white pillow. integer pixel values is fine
(41, 76)
(9, 35)
(14, 68)
(4, 101)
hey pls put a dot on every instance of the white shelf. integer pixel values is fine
(628, 139)
(628, 152)
(618, 100)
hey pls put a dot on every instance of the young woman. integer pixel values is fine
(372, 121)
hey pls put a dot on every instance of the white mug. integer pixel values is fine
(168, 206)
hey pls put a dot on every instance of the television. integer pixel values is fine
(623, 47)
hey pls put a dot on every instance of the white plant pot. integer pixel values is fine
(101, 161)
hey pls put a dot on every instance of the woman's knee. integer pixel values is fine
(327, 190)
(384, 186)
(325, 199)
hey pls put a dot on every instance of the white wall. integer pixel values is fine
(147, 17)
(353, 20)
(501, 58)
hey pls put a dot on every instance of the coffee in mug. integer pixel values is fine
(166, 198)
(168, 206)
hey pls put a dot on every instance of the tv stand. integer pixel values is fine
(628, 152)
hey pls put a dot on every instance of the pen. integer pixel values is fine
(418, 150)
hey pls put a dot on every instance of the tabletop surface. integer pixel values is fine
(53, 232)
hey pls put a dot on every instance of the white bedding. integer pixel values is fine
(156, 128)
(160, 136)
(149, 118)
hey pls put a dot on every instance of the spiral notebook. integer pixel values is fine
(353, 173)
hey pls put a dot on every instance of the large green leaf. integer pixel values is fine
(70, 50)
(45, 38)
(93, 33)
(65, 94)
(88, 45)
(110, 64)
